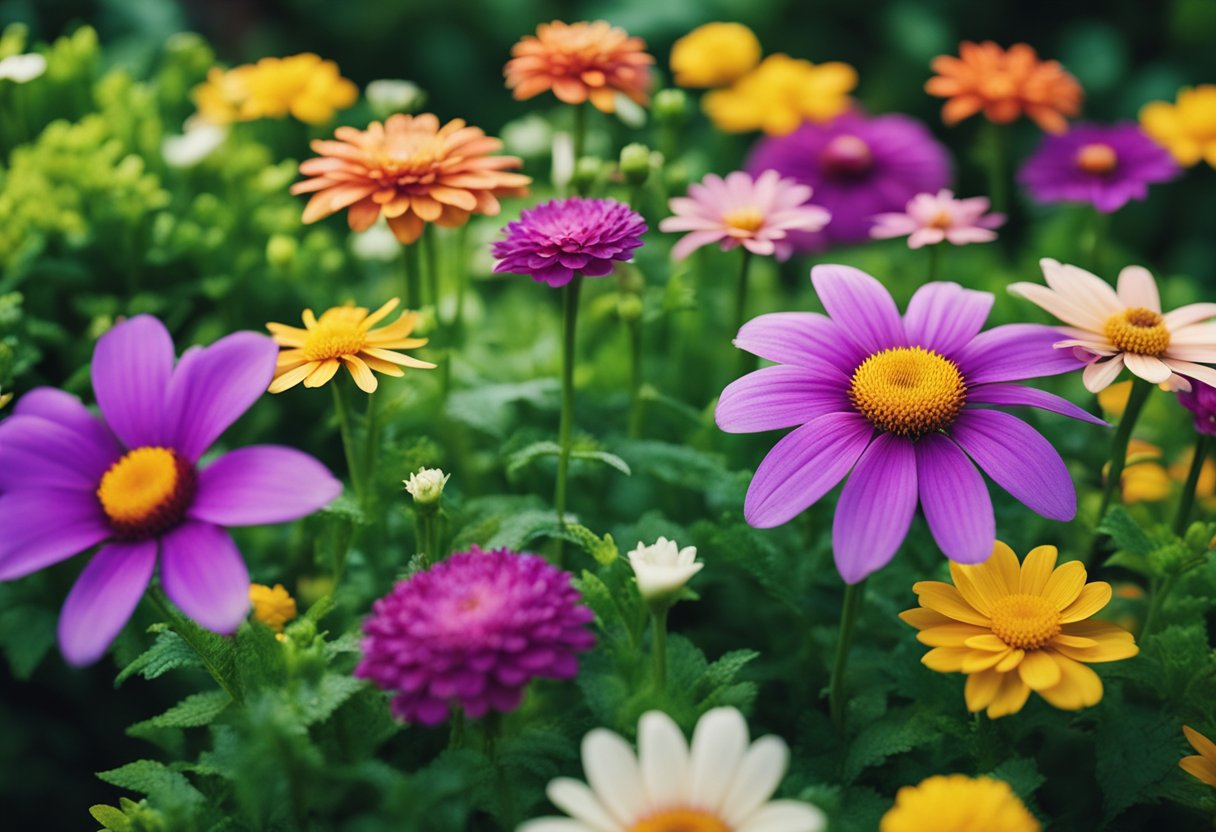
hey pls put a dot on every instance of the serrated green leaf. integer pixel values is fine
(156, 780)
(194, 711)
(112, 819)
(1125, 531)
(611, 460)
(1022, 774)
(317, 702)
(167, 653)
(527, 455)
(899, 731)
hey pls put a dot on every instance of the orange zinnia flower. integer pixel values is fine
(580, 62)
(413, 170)
(1004, 84)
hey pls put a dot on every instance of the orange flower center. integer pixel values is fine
(681, 820)
(1097, 159)
(908, 391)
(847, 156)
(146, 492)
(334, 339)
(943, 220)
(1138, 330)
(1025, 622)
(997, 86)
(747, 219)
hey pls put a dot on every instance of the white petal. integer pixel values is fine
(1082, 288)
(1191, 370)
(1098, 375)
(1148, 367)
(786, 816)
(579, 802)
(1190, 314)
(1138, 288)
(663, 756)
(1194, 335)
(758, 777)
(718, 746)
(612, 772)
(1060, 306)
(553, 825)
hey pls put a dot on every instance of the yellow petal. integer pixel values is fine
(986, 641)
(980, 690)
(1065, 584)
(950, 635)
(1010, 698)
(1011, 661)
(1036, 570)
(975, 585)
(291, 378)
(1067, 640)
(922, 618)
(324, 371)
(398, 358)
(1079, 686)
(1004, 564)
(361, 373)
(1111, 650)
(948, 601)
(1039, 670)
(381, 313)
(1200, 743)
(977, 660)
(1092, 598)
(1199, 767)
(287, 336)
(945, 659)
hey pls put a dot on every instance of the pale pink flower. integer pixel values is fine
(1112, 329)
(739, 210)
(929, 219)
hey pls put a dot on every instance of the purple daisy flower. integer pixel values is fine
(1201, 400)
(70, 481)
(471, 632)
(1105, 165)
(902, 404)
(558, 238)
(857, 167)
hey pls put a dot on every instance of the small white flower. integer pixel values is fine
(394, 95)
(530, 136)
(23, 68)
(376, 244)
(563, 160)
(663, 567)
(426, 487)
(721, 784)
(199, 141)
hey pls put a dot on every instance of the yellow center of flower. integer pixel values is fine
(909, 391)
(747, 219)
(334, 338)
(681, 820)
(1026, 622)
(942, 220)
(146, 492)
(1138, 330)
(1097, 159)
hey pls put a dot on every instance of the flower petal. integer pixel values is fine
(204, 574)
(945, 317)
(1014, 352)
(43, 526)
(777, 397)
(613, 774)
(578, 801)
(1015, 395)
(1037, 568)
(786, 816)
(132, 365)
(719, 743)
(861, 306)
(1079, 687)
(875, 508)
(947, 600)
(1138, 288)
(36, 452)
(103, 598)
(806, 339)
(758, 777)
(1039, 670)
(262, 484)
(1065, 584)
(981, 689)
(955, 500)
(663, 757)
(1090, 600)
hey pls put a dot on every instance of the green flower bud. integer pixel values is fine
(675, 177)
(635, 163)
(670, 105)
(629, 307)
(587, 172)
(281, 250)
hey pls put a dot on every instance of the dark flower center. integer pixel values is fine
(847, 157)
(1097, 159)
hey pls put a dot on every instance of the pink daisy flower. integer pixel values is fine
(739, 210)
(1112, 329)
(929, 219)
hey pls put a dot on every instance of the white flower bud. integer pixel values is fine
(426, 487)
(394, 95)
(22, 68)
(663, 568)
(199, 141)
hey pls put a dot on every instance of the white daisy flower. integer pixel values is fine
(663, 567)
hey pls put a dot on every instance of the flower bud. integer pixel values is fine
(426, 487)
(273, 607)
(281, 250)
(394, 95)
(662, 569)
(635, 163)
(587, 172)
(629, 308)
(670, 105)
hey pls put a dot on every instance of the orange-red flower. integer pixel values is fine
(580, 62)
(1004, 85)
(413, 170)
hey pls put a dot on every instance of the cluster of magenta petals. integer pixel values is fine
(54, 453)
(558, 238)
(816, 356)
(471, 632)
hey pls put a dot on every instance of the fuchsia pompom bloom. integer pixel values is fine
(1105, 165)
(558, 238)
(929, 219)
(471, 632)
(1201, 400)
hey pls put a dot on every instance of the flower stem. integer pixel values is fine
(566, 426)
(185, 632)
(935, 259)
(342, 408)
(456, 737)
(580, 132)
(746, 360)
(411, 289)
(1093, 239)
(506, 800)
(854, 594)
(428, 241)
(635, 379)
(371, 443)
(428, 536)
(1118, 452)
(997, 152)
(1182, 519)
(658, 620)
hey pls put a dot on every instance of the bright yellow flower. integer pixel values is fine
(1187, 128)
(958, 804)
(1016, 628)
(714, 55)
(1202, 766)
(1205, 489)
(5, 399)
(1113, 399)
(273, 607)
(304, 86)
(1145, 479)
(343, 335)
(780, 94)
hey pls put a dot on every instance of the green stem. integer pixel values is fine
(157, 596)
(462, 274)
(935, 259)
(371, 428)
(746, 360)
(1118, 452)
(342, 408)
(428, 538)
(456, 737)
(635, 378)
(580, 132)
(430, 253)
(854, 594)
(506, 799)
(411, 289)
(1182, 519)
(566, 427)
(1093, 239)
(997, 153)
(659, 648)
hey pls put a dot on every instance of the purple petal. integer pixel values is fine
(38, 453)
(955, 500)
(861, 306)
(944, 317)
(805, 339)
(132, 364)
(1014, 352)
(67, 411)
(213, 386)
(875, 508)
(777, 397)
(1019, 460)
(204, 574)
(262, 484)
(806, 464)
(1016, 394)
(42, 526)
(103, 598)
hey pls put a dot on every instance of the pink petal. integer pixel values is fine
(1098, 375)
(1137, 288)
(1146, 367)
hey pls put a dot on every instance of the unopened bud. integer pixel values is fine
(670, 105)
(635, 163)
(426, 487)
(394, 95)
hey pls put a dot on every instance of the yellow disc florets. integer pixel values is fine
(909, 391)
(1138, 330)
(681, 820)
(1025, 622)
(146, 492)
(339, 332)
(745, 219)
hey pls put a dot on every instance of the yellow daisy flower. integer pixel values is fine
(1186, 128)
(273, 607)
(714, 55)
(1202, 765)
(958, 804)
(780, 94)
(344, 335)
(1014, 628)
(303, 86)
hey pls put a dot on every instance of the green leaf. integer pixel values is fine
(1137, 754)
(490, 407)
(899, 731)
(1022, 774)
(526, 456)
(194, 711)
(157, 781)
(167, 653)
(1125, 531)
(611, 460)
(111, 818)
(317, 702)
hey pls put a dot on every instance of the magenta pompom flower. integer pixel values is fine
(1201, 401)
(758, 214)
(905, 404)
(69, 481)
(858, 167)
(1105, 165)
(558, 238)
(471, 632)
(929, 219)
